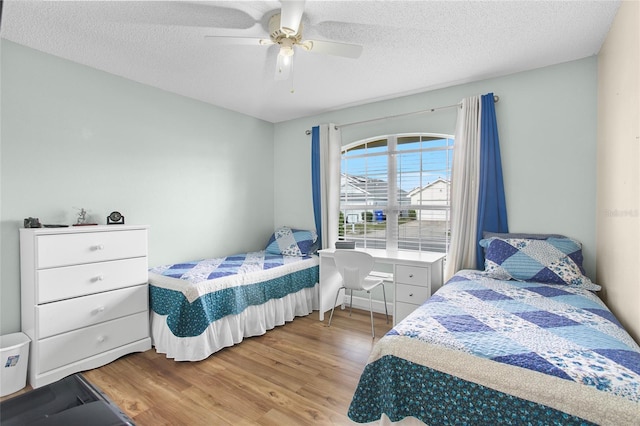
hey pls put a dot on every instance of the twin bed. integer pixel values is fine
(526, 341)
(201, 307)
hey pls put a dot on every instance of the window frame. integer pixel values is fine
(394, 207)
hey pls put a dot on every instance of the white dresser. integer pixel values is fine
(416, 276)
(84, 297)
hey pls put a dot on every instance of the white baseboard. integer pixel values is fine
(363, 303)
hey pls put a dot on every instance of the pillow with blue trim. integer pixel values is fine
(549, 261)
(292, 242)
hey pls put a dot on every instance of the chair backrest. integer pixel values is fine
(354, 266)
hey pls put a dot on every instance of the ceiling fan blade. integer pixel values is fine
(283, 67)
(291, 15)
(333, 48)
(246, 41)
(178, 13)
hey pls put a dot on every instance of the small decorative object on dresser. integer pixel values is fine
(115, 218)
(84, 297)
(82, 218)
(32, 222)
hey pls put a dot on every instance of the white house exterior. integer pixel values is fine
(435, 195)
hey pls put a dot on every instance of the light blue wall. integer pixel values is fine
(547, 127)
(202, 176)
(72, 136)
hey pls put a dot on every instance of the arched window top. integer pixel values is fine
(404, 140)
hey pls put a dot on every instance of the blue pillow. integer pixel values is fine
(549, 261)
(292, 242)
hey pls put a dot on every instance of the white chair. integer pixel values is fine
(354, 267)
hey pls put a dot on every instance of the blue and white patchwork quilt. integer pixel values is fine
(487, 351)
(197, 278)
(193, 295)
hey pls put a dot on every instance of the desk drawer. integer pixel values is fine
(402, 311)
(72, 281)
(87, 247)
(60, 317)
(412, 293)
(413, 275)
(70, 347)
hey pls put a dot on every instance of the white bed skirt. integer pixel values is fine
(230, 330)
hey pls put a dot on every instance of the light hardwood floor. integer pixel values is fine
(302, 373)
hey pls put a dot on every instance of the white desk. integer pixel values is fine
(416, 275)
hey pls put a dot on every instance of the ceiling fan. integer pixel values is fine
(285, 31)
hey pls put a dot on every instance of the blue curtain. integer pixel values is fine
(492, 207)
(315, 181)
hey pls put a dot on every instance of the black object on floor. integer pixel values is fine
(71, 401)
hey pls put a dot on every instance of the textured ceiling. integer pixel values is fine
(409, 46)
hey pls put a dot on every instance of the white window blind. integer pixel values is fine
(395, 192)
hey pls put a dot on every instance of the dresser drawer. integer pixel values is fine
(60, 317)
(73, 281)
(86, 247)
(412, 275)
(414, 294)
(70, 347)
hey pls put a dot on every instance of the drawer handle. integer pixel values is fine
(98, 310)
(410, 275)
(98, 278)
(97, 247)
(101, 339)
(410, 294)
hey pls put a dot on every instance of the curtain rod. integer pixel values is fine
(308, 132)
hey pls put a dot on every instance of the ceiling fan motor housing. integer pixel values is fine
(277, 35)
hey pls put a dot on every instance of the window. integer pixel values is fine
(395, 192)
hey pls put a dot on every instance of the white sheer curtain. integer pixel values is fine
(464, 188)
(330, 143)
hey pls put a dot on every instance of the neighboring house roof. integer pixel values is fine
(414, 191)
(360, 188)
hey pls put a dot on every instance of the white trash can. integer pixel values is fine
(14, 358)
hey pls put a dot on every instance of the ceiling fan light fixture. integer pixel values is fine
(284, 65)
(286, 47)
(286, 51)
